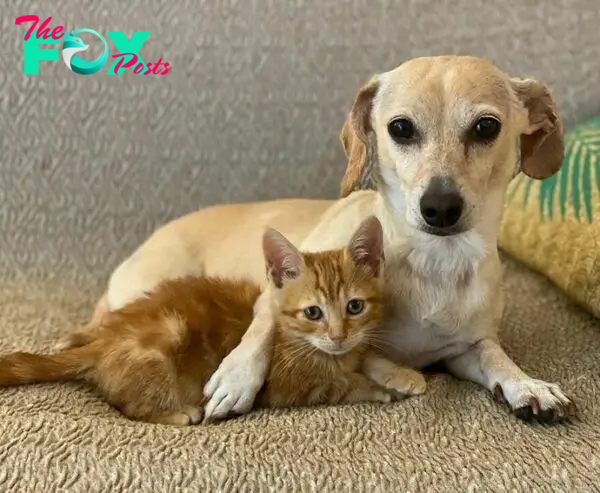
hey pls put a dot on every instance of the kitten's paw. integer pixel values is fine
(189, 415)
(233, 387)
(364, 390)
(406, 382)
(195, 414)
(77, 338)
(381, 396)
(63, 343)
(71, 340)
(535, 400)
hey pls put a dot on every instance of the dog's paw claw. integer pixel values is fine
(499, 395)
(533, 413)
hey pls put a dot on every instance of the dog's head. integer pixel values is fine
(448, 134)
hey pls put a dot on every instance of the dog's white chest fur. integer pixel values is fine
(434, 292)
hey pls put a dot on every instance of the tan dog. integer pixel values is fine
(442, 137)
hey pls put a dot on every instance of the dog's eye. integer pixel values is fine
(401, 130)
(486, 128)
(313, 313)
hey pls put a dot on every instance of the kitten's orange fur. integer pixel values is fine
(152, 358)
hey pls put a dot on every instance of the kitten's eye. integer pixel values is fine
(313, 313)
(402, 130)
(485, 129)
(354, 307)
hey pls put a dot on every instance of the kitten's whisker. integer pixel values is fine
(313, 361)
(291, 347)
(378, 339)
(377, 343)
(289, 342)
(377, 331)
(290, 358)
(377, 334)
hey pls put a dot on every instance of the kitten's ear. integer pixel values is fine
(366, 245)
(283, 259)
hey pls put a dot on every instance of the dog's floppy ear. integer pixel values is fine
(355, 136)
(542, 144)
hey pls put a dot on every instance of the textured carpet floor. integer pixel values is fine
(456, 438)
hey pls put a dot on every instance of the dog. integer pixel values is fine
(441, 137)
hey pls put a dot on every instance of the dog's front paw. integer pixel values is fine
(233, 387)
(535, 400)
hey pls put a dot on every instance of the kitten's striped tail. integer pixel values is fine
(23, 368)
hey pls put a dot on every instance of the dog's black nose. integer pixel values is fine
(441, 204)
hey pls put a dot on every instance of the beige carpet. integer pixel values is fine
(456, 438)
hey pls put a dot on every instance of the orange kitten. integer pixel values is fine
(152, 358)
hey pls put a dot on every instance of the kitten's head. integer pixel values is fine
(329, 299)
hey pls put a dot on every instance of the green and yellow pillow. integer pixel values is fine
(553, 225)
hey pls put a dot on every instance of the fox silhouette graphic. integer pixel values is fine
(73, 45)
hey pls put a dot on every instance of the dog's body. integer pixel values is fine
(444, 133)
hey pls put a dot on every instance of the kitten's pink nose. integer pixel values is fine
(337, 341)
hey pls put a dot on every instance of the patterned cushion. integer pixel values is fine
(554, 225)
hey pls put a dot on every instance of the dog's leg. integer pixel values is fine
(487, 364)
(233, 387)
